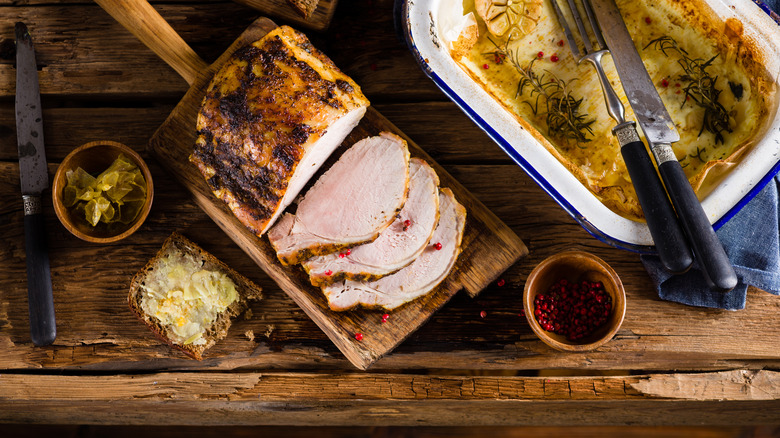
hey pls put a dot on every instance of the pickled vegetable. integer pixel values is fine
(114, 196)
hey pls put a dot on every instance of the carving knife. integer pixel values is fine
(660, 133)
(35, 179)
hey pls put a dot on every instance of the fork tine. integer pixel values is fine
(594, 24)
(566, 30)
(581, 26)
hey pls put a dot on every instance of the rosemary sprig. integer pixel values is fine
(700, 87)
(561, 109)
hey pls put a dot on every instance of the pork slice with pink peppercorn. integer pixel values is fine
(350, 204)
(397, 246)
(420, 277)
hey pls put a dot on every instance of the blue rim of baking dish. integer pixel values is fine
(401, 12)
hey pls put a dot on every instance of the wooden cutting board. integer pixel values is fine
(489, 246)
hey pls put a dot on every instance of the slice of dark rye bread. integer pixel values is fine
(304, 7)
(246, 289)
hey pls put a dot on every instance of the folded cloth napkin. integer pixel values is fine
(752, 241)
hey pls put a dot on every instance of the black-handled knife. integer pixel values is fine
(668, 235)
(660, 133)
(35, 179)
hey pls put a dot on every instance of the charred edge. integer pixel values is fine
(254, 209)
(288, 152)
(257, 178)
(253, 177)
(344, 86)
(319, 88)
(233, 107)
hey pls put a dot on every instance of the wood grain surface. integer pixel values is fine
(100, 83)
(366, 399)
(102, 431)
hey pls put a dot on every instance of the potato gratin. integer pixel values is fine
(517, 51)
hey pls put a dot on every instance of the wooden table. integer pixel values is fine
(668, 363)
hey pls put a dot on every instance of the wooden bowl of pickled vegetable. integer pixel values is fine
(102, 191)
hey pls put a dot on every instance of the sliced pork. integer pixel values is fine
(397, 246)
(270, 117)
(415, 280)
(350, 204)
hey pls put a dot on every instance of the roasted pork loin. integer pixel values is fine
(415, 280)
(350, 204)
(397, 246)
(271, 116)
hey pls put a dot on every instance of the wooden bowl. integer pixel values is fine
(95, 157)
(575, 266)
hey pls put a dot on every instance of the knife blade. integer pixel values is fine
(660, 132)
(34, 178)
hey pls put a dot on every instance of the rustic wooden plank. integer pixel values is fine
(412, 413)
(365, 43)
(97, 331)
(64, 129)
(35, 430)
(67, 128)
(377, 399)
(83, 52)
(278, 9)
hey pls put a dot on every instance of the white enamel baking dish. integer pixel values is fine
(423, 22)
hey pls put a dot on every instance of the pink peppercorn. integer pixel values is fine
(573, 310)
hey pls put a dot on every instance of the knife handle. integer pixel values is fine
(661, 220)
(43, 328)
(706, 245)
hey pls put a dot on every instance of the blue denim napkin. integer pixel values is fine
(752, 241)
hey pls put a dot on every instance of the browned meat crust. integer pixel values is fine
(262, 111)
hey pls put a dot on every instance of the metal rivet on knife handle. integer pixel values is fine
(32, 205)
(663, 152)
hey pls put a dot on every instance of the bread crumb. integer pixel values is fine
(248, 314)
(270, 329)
(250, 335)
